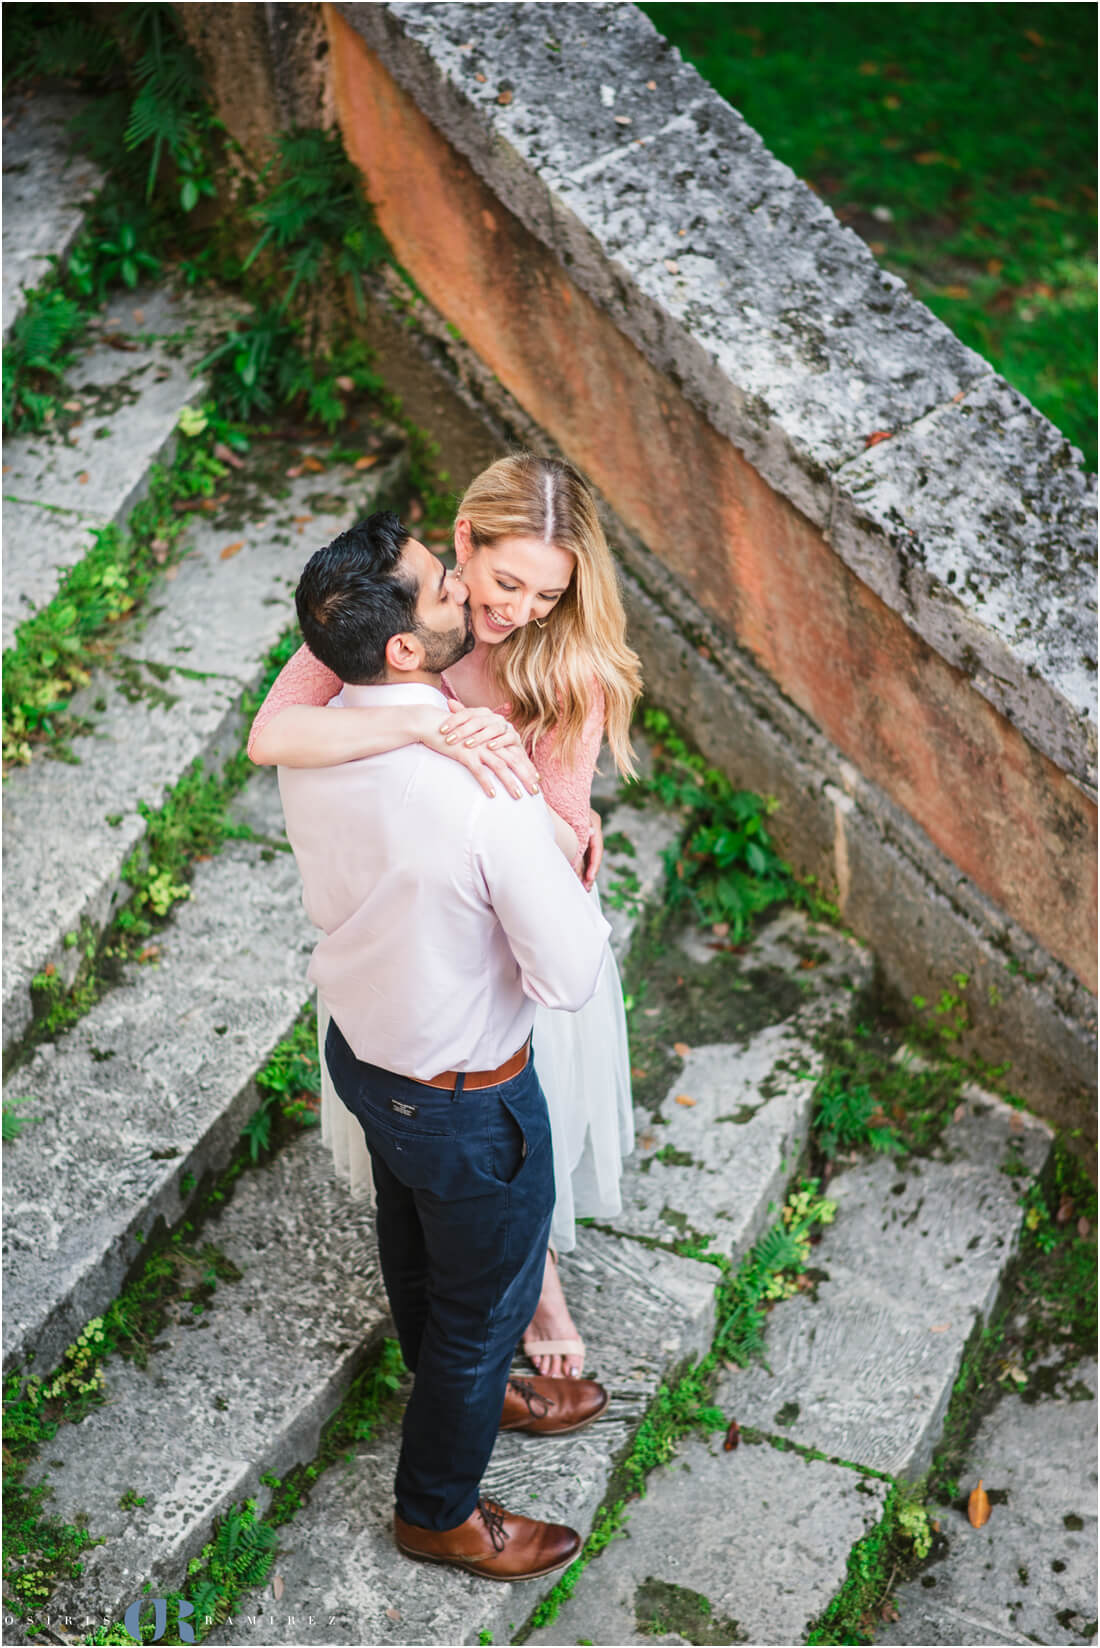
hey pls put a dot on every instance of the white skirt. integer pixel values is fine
(583, 1067)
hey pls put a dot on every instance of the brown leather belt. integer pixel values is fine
(484, 1078)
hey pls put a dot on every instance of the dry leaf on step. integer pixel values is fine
(681, 1048)
(278, 1586)
(682, 1098)
(232, 549)
(978, 1507)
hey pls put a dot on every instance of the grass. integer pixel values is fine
(958, 141)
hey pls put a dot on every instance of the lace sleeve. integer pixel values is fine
(568, 789)
(304, 680)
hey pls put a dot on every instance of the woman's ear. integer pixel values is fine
(464, 546)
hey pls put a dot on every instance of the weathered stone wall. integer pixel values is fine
(897, 640)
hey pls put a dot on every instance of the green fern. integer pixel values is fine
(168, 108)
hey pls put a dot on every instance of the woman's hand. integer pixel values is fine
(486, 745)
(593, 854)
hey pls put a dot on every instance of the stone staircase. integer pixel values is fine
(139, 1106)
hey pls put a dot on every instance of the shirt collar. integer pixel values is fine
(390, 692)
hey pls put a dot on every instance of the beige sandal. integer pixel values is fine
(554, 1347)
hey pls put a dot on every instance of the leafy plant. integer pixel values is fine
(847, 1115)
(725, 868)
(768, 1273)
(13, 1122)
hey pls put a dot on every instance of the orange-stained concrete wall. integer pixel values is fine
(909, 721)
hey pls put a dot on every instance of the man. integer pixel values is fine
(446, 918)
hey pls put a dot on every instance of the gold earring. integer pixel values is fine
(538, 625)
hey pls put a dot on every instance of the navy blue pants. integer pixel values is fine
(465, 1190)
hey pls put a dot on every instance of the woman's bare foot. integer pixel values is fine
(552, 1322)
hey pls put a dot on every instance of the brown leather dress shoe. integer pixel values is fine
(551, 1407)
(493, 1543)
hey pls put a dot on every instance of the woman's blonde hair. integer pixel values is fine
(548, 673)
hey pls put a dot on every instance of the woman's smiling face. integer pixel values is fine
(510, 582)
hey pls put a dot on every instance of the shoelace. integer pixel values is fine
(493, 1516)
(538, 1405)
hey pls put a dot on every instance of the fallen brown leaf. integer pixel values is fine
(637, 1072)
(505, 97)
(651, 1012)
(171, 572)
(978, 1507)
(83, 477)
(807, 962)
(651, 85)
(733, 1436)
(647, 1141)
(1015, 1122)
(393, 1613)
(888, 1611)
(72, 406)
(117, 340)
(1034, 36)
(301, 520)
(278, 1586)
(623, 120)
(877, 246)
(939, 1327)
(49, 970)
(481, 77)
(1083, 1228)
(314, 465)
(1045, 203)
(681, 1048)
(139, 317)
(227, 455)
(232, 549)
(293, 472)
(929, 157)
(368, 462)
(720, 929)
(955, 291)
(878, 435)
(672, 266)
(345, 383)
(1067, 1207)
(682, 1098)
(150, 953)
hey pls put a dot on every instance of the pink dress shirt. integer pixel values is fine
(447, 915)
(305, 680)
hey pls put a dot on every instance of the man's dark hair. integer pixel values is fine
(353, 595)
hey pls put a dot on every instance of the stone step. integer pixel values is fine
(641, 1314)
(914, 1262)
(47, 190)
(632, 875)
(133, 375)
(744, 1546)
(716, 1169)
(242, 1390)
(152, 1085)
(205, 637)
(1028, 1575)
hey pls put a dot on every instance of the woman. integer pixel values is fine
(550, 647)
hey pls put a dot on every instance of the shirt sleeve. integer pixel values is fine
(568, 789)
(553, 928)
(304, 680)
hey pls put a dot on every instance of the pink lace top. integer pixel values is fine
(305, 680)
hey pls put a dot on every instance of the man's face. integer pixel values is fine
(443, 625)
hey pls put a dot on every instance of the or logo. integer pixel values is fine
(403, 1109)
(132, 1619)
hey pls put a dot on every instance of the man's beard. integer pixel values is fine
(441, 651)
